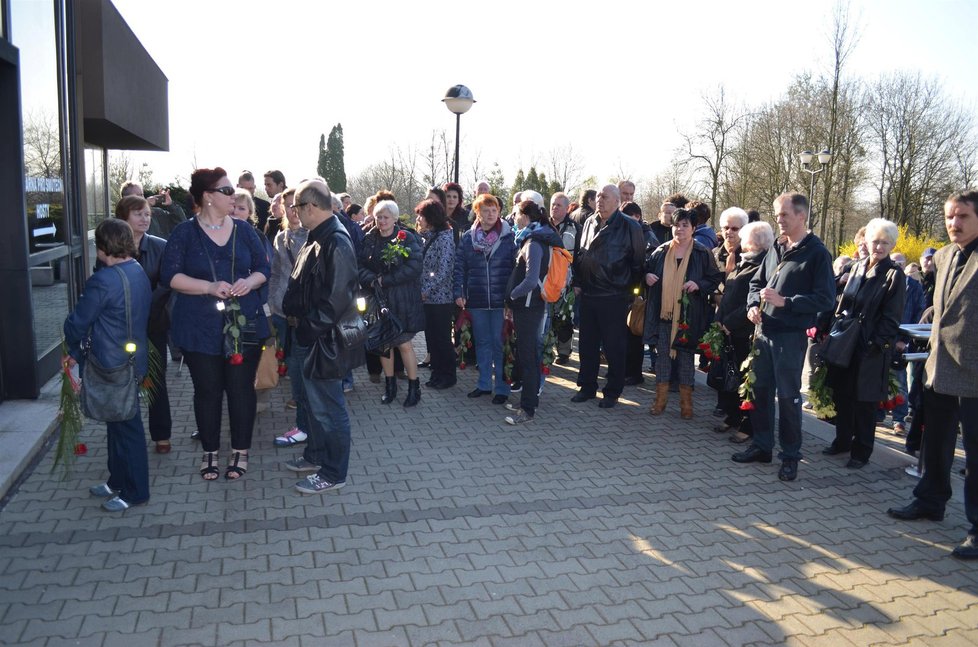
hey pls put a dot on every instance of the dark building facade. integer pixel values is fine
(75, 82)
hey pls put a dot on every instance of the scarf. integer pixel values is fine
(523, 234)
(482, 240)
(673, 278)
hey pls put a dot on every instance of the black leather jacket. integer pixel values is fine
(323, 289)
(609, 260)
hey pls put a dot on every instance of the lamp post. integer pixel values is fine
(458, 100)
(806, 165)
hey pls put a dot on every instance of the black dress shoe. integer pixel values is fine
(475, 393)
(789, 470)
(607, 402)
(723, 429)
(856, 464)
(752, 454)
(584, 396)
(832, 450)
(440, 385)
(967, 549)
(719, 412)
(915, 511)
(499, 399)
(562, 359)
(634, 380)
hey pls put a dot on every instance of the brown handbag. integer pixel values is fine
(636, 317)
(266, 377)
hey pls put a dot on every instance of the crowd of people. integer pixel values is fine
(472, 278)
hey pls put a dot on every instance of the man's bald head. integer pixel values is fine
(609, 197)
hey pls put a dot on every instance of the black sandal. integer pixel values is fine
(209, 470)
(238, 466)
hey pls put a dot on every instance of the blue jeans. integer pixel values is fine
(128, 465)
(901, 411)
(294, 367)
(487, 328)
(328, 444)
(777, 367)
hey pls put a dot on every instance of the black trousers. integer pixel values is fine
(603, 326)
(213, 378)
(945, 414)
(160, 423)
(634, 355)
(730, 401)
(855, 422)
(527, 322)
(438, 324)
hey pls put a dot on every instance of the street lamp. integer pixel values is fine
(806, 165)
(458, 100)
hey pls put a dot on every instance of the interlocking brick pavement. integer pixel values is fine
(584, 527)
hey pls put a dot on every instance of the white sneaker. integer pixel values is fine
(293, 436)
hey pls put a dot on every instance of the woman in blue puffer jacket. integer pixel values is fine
(484, 260)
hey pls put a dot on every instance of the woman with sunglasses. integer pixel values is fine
(215, 263)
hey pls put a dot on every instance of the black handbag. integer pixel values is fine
(111, 394)
(351, 331)
(723, 375)
(846, 333)
(383, 328)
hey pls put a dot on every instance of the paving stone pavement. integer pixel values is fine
(584, 527)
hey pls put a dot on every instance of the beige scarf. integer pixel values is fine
(673, 278)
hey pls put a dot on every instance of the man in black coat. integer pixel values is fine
(793, 285)
(246, 181)
(321, 293)
(607, 264)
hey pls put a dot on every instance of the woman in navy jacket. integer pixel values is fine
(100, 318)
(483, 263)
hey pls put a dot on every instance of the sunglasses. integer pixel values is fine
(298, 205)
(226, 190)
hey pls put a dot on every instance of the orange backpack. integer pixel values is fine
(553, 284)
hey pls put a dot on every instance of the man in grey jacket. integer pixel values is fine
(951, 386)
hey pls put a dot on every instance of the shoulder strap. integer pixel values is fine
(125, 290)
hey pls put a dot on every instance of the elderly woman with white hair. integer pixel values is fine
(875, 294)
(753, 242)
(390, 266)
(732, 221)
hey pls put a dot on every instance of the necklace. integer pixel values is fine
(213, 227)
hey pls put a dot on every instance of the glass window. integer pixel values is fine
(97, 206)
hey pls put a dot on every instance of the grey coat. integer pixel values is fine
(952, 365)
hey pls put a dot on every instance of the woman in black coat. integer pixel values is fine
(390, 264)
(677, 271)
(756, 239)
(876, 290)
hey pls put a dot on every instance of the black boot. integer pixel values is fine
(414, 393)
(390, 390)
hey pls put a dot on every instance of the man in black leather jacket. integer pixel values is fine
(607, 263)
(322, 290)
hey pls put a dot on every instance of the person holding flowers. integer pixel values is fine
(390, 266)
(875, 294)
(215, 264)
(100, 320)
(756, 239)
(680, 275)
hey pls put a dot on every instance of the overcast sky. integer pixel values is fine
(254, 83)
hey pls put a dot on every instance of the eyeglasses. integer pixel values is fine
(226, 190)
(297, 205)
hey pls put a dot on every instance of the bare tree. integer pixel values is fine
(120, 172)
(709, 146)
(42, 145)
(564, 166)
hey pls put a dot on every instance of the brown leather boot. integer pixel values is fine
(685, 402)
(661, 398)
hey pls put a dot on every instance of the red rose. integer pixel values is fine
(546, 370)
(683, 326)
(682, 340)
(703, 346)
(746, 405)
(709, 354)
(282, 369)
(899, 400)
(236, 359)
(81, 449)
(882, 405)
(462, 366)
(468, 344)
(280, 354)
(401, 235)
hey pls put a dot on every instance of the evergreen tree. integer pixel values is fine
(321, 164)
(334, 171)
(519, 183)
(497, 182)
